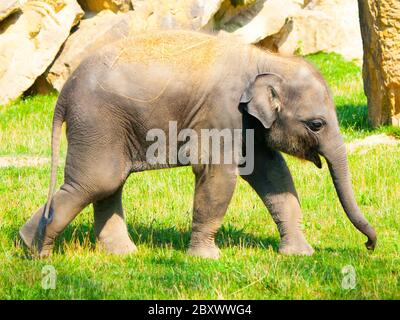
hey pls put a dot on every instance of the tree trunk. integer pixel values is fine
(380, 29)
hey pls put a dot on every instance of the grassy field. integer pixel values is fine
(158, 208)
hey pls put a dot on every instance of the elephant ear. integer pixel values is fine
(262, 98)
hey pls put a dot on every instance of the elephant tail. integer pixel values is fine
(58, 120)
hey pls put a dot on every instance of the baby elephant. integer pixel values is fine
(118, 99)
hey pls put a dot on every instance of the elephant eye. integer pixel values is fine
(315, 125)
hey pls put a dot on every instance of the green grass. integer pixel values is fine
(345, 80)
(25, 126)
(159, 220)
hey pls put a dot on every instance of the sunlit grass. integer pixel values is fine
(158, 210)
(345, 80)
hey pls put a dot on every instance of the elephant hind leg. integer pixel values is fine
(110, 227)
(89, 178)
(39, 234)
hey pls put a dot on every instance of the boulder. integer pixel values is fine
(254, 20)
(323, 25)
(28, 46)
(100, 5)
(91, 34)
(183, 14)
(8, 7)
(380, 27)
(345, 14)
(304, 33)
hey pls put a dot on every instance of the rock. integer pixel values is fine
(91, 34)
(8, 7)
(323, 25)
(304, 33)
(380, 28)
(112, 5)
(347, 23)
(183, 14)
(28, 46)
(254, 20)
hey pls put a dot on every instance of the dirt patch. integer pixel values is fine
(23, 161)
(360, 145)
(371, 141)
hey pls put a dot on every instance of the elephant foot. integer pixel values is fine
(295, 247)
(29, 234)
(33, 247)
(32, 229)
(118, 246)
(204, 251)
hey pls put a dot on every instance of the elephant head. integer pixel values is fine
(298, 113)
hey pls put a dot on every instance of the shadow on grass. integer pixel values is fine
(345, 251)
(227, 236)
(353, 117)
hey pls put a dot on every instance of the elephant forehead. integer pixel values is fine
(310, 97)
(308, 84)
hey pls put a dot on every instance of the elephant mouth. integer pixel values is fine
(315, 158)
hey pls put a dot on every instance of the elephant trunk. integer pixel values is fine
(338, 167)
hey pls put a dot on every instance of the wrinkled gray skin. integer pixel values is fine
(114, 97)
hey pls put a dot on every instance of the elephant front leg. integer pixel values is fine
(110, 227)
(214, 188)
(272, 181)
